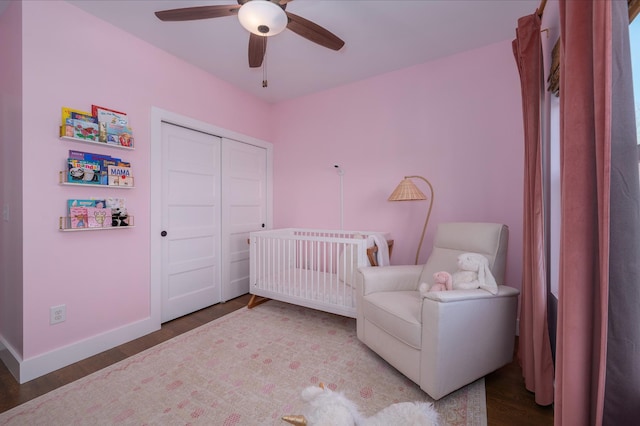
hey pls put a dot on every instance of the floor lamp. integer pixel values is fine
(408, 191)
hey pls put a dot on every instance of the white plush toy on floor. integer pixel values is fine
(328, 408)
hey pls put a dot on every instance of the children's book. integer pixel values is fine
(95, 108)
(78, 216)
(91, 202)
(80, 203)
(115, 203)
(66, 114)
(101, 204)
(83, 117)
(105, 161)
(66, 130)
(76, 155)
(83, 171)
(111, 117)
(120, 176)
(98, 217)
(84, 130)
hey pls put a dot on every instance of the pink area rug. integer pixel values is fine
(246, 368)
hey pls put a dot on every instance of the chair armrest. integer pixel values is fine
(466, 336)
(457, 295)
(390, 278)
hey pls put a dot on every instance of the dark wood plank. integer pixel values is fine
(508, 402)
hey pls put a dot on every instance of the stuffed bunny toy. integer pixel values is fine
(329, 408)
(473, 272)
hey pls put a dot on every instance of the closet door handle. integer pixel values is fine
(263, 225)
(163, 234)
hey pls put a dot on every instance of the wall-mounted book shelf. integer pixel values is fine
(65, 225)
(92, 142)
(63, 179)
(108, 128)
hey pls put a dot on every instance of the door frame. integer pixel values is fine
(158, 116)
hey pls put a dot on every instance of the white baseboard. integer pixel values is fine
(29, 369)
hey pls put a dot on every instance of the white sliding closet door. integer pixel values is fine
(190, 222)
(244, 209)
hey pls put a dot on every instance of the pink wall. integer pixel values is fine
(456, 121)
(74, 59)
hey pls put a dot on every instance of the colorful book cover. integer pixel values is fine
(119, 215)
(115, 203)
(90, 202)
(66, 130)
(124, 139)
(104, 173)
(71, 203)
(105, 161)
(112, 117)
(76, 155)
(100, 203)
(66, 114)
(81, 155)
(117, 129)
(120, 176)
(85, 130)
(83, 171)
(95, 108)
(98, 217)
(83, 117)
(78, 216)
(119, 134)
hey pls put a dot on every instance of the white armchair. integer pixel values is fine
(448, 339)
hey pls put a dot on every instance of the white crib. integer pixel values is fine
(309, 267)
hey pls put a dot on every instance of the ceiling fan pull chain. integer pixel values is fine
(265, 83)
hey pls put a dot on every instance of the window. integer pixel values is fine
(634, 37)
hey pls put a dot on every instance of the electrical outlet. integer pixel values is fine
(57, 314)
(5, 212)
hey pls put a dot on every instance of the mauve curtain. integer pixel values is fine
(534, 347)
(598, 362)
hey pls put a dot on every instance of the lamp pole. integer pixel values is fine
(424, 229)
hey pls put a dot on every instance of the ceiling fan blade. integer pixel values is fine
(257, 48)
(198, 12)
(313, 32)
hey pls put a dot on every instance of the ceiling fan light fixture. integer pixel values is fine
(262, 17)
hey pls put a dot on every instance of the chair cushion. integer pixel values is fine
(396, 312)
(453, 239)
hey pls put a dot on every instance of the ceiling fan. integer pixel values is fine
(262, 18)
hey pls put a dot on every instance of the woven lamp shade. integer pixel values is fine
(407, 191)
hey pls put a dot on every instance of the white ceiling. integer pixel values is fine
(380, 36)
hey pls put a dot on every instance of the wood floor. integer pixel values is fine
(508, 402)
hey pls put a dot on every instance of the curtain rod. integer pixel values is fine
(540, 9)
